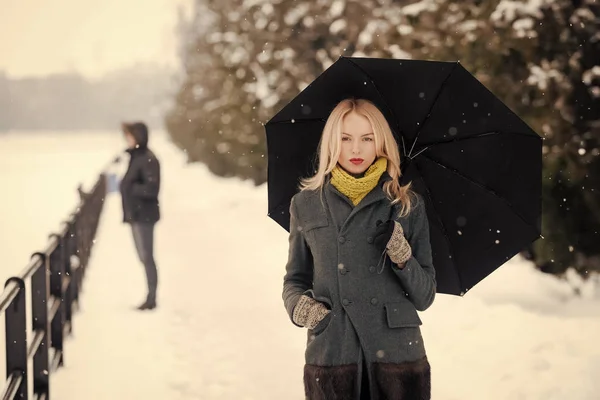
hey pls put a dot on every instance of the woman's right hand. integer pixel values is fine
(309, 312)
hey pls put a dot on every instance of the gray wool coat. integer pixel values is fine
(373, 319)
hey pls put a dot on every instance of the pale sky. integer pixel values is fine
(93, 37)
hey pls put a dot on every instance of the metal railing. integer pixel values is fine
(56, 278)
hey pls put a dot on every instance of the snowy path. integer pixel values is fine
(221, 331)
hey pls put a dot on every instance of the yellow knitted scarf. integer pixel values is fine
(357, 188)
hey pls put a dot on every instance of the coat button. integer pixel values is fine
(374, 301)
(341, 239)
(345, 302)
(343, 271)
(369, 239)
(372, 269)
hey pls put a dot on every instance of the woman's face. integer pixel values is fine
(130, 140)
(358, 144)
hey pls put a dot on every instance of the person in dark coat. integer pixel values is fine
(360, 266)
(139, 192)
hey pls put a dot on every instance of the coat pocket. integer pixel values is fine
(314, 224)
(402, 315)
(323, 324)
(321, 299)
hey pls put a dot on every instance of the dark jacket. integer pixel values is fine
(374, 318)
(141, 184)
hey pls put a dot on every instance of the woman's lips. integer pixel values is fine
(356, 161)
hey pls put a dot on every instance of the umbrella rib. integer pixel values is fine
(479, 135)
(381, 96)
(444, 232)
(476, 136)
(482, 186)
(422, 124)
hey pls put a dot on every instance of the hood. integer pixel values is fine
(139, 131)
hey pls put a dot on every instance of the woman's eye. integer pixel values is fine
(345, 139)
(368, 139)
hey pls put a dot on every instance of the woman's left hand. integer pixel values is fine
(383, 233)
(391, 235)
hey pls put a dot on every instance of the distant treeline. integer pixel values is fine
(70, 101)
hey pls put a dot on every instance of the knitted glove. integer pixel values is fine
(398, 248)
(309, 312)
(390, 235)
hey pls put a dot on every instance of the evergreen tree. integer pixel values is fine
(542, 60)
(244, 60)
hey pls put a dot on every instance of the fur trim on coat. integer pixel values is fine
(406, 381)
(330, 383)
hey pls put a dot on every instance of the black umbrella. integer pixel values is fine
(475, 162)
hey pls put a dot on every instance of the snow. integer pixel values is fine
(337, 26)
(541, 75)
(398, 53)
(468, 26)
(337, 8)
(221, 331)
(508, 10)
(365, 37)
(417, 8)
(592, 74)
(404, 29)
(293, 16)
(236, 56)
(261, 87)
(247, 4)
(40, 173)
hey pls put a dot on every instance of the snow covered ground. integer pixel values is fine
(221, 331)
(39, 173)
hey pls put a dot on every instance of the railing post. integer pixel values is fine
(56, 278)
(76, 269)
(67, 292)
(16, 338)
(39, 317)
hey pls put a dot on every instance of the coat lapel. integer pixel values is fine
(374, 196)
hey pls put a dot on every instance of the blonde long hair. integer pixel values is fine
(385, 145)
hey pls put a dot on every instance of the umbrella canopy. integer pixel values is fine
(477, 165)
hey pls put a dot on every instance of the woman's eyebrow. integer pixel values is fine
(366, 134)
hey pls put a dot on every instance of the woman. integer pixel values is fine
(140, 188)
(360, 265)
